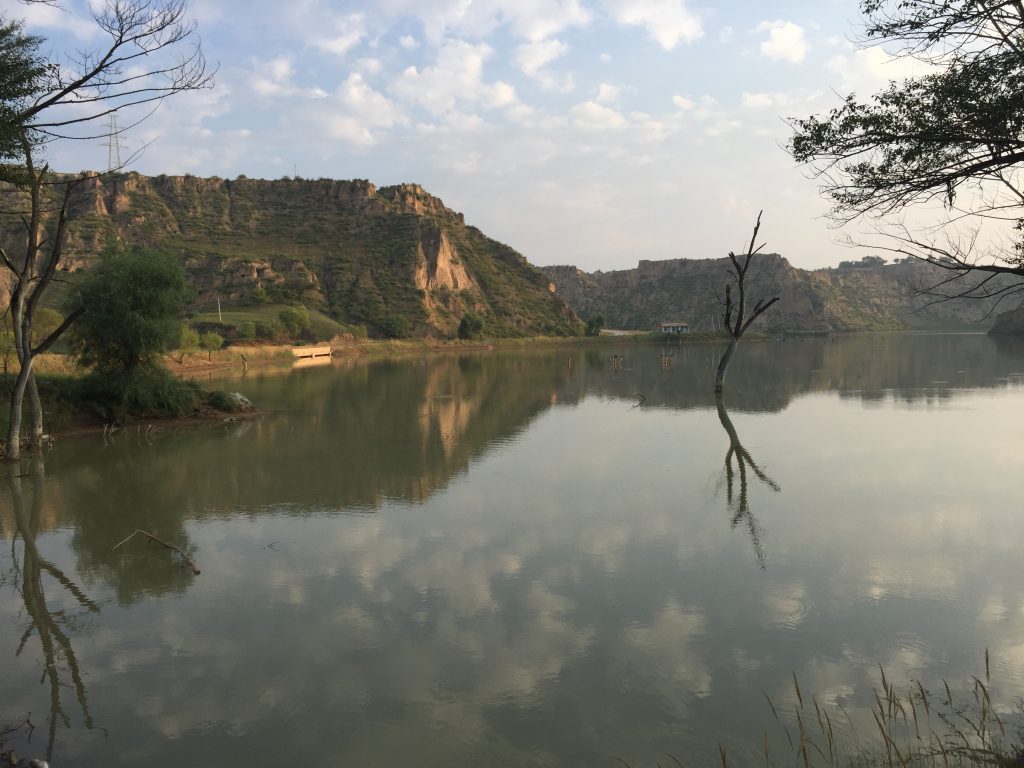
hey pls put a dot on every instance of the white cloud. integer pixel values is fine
(607, 94)
(499, 94)
(868, 70)
(369, 66)
(457, 74)
(455, 77)
(461, 121)
(43, 16)
(539, 19)
(646, 129)
(605, 58)
(708, 107)
(594, 116)
(348, 31)
(757, 100)
(358, 113)
(799, 100)
(531, 20)
(764, 100)
(667, 21)
(273, 77)
(785, 41)
(408, 42)
(531, 57)
(683, 103)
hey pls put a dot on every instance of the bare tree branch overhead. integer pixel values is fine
(156, 35)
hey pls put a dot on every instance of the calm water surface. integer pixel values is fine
(501, 559)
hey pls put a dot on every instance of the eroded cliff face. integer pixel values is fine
(447, 287)
(365, 255)
(235, 279)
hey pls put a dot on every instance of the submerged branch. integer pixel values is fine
(184, 556)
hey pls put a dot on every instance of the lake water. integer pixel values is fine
(522, 558)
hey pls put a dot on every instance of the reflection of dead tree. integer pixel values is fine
(50, 626)
(739, 503)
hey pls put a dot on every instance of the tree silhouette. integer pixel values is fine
(735, 319)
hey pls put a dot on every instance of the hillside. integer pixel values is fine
(394, 259)
(853, 297)
(1009, 323)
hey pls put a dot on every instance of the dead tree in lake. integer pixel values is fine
(734, 318)
(738, 500)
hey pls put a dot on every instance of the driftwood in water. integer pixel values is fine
(184, 556)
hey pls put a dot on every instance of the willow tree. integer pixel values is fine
(954, 135)
(150, 53)
(735, 318)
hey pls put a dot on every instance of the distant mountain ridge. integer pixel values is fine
(391, 258)
(856, 296)
(400, 262)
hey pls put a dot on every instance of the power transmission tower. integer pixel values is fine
(113, 144)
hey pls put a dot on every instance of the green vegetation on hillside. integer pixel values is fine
(264, 322)
(394, 261)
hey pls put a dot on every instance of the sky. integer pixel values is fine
(587, 132)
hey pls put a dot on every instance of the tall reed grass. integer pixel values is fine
(912, 727)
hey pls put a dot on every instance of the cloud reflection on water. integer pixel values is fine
(568, 595)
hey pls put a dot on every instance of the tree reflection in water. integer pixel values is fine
(738, 501)
(50, 627)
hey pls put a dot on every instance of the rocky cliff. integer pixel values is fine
(388, 258)
(856, 296)
(1009, 323)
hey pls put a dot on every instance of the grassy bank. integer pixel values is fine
(347, 345)
(85, 401)
(264, 322)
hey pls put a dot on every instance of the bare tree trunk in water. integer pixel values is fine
(13, 452)
(32, 274)
(723, 364)
(738, 326)
(37, 411)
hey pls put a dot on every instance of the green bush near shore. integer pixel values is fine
(145, 391)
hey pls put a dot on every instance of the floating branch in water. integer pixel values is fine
(184, 556)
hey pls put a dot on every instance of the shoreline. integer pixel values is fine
(239, 356)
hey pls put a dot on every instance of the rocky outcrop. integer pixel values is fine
(442, 278)
(389, 258)
(1009, 323)
(235, 279)
(853, 297)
